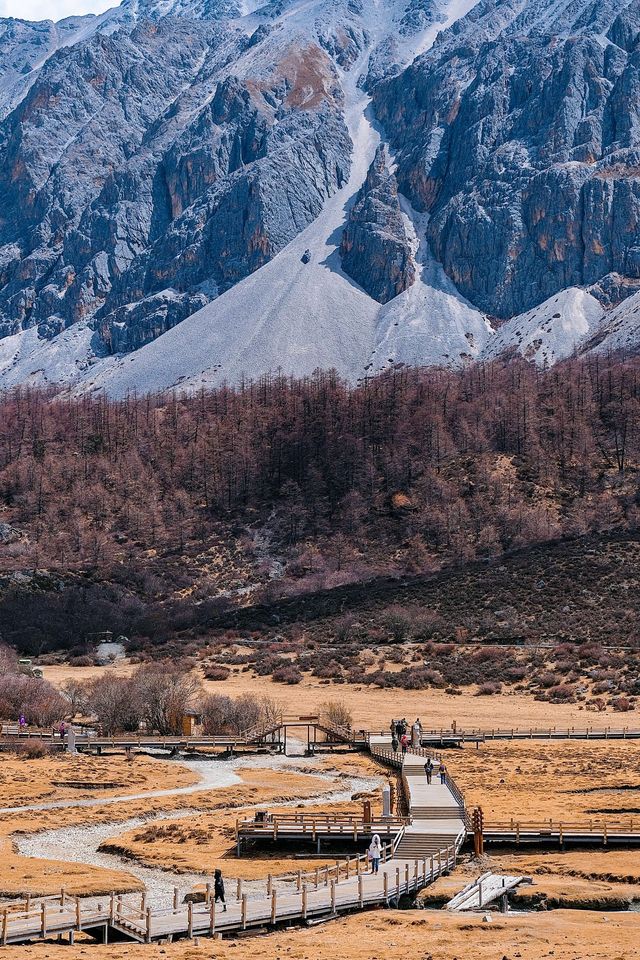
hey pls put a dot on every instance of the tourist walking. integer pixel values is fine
(416, 734)
(218, 888)
(404, 742)
(442, 770)
(394, 744)
(428, 769)
(399, 730)
(374, 853)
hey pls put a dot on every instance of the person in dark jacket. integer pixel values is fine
(395, 744)
(218, 888)
(428, 769)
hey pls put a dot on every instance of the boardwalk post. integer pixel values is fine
(333, 897)
(43, 919)
(190, 919)
(112, 906)
(62, 897)
(299, 881)
(244, 911)
(269, 884)
(431, 870)
(348, 864)
(317, 877)
(148, 926)
(415, 874)
(239, 889)
(78, 916)
(398, 882)
(326, 876)
(274, 898)
(439, 862)
(175, 898)
(304, 901)
(207, 893)
(424, 870)
(406, 876)
(360, 892)
(212, 916)
(4, 927)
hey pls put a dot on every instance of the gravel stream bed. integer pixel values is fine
(80, 844)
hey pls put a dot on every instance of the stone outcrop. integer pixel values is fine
(519, 134)
(142, 176)
(375, 250)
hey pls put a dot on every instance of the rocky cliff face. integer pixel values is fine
(140, 163)
(375, 249)
(519, 134)
(155, 158)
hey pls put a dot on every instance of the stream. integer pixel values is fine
(80, 844)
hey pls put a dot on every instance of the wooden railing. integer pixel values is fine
(524, 733)
(595, 827)
(300, 823)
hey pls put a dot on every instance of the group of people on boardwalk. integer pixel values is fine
(400, 734)
(400, 740)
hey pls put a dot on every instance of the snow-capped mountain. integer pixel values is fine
(199, 190)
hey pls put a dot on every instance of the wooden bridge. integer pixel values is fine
(419, 849)
(423, 848)
(453, 737)
(319, 735)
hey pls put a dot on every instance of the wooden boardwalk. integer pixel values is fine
(420, 852)
(422, 848)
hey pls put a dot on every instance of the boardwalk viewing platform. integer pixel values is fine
(417, 849)
(319, 735)
(424, 847)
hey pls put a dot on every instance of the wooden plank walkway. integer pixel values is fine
(484, 890)
(444, 737)
(349, 885)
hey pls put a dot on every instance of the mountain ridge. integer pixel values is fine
(169, 166)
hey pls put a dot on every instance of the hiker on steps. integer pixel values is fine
(218, 888)
(404, 743)
(374, 853)
(442, 770)
(394, 744)
(428, 769)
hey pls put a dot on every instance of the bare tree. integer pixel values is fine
(113, 700)
(336, 713)
(76, 693)
(164, 691)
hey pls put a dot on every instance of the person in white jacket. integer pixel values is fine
(375, 852)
